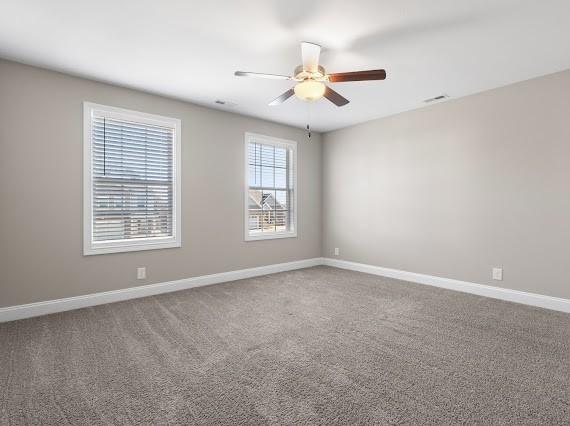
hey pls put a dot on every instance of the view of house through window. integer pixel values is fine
(271, 187)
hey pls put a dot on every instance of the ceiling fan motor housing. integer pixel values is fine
(300, 74)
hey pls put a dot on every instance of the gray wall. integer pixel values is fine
(41, 191)
(449, 190)
(457, 188)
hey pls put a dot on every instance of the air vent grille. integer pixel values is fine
(225, 103)
(436, 98)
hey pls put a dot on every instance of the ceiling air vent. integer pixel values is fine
(225, 103)
(436, 98)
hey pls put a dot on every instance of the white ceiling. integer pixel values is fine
(190, 49)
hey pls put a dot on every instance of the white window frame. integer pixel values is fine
(91, 247)
(283, 143)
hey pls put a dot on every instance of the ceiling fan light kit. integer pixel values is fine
(309, 90)
(311, 78)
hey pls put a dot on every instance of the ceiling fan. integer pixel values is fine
(310, 78)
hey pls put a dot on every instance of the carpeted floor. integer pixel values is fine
(313, 346)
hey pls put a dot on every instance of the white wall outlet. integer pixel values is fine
(498, 274)
(336, 251)
(141, 273)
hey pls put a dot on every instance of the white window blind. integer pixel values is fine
(270, 188)
(133, 188)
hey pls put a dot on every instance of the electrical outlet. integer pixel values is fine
(498, 274)
(141, 273)
(336, 251)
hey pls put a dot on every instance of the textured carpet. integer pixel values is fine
(313, 346)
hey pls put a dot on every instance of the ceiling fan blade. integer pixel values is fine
(282, 98)
(310, 53)
(335, 97)
(261, 75)
(357, 76)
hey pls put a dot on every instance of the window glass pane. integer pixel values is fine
(267, 155)
(268, 221)
(267, 176)
(281, 200)
(280, 157)
(253, 153)
(280, 178)
(254, 175)
(132, 186)
(255, 218)
(254, 199)
(281, 219)
(268, 200)
(270, 193)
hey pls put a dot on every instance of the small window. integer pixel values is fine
(131, 180)
(270, 187)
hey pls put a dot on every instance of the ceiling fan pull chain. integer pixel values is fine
(308, 121)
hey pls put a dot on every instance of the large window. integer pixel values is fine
(270, 195)
(131, 180)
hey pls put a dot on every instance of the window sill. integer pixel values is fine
(118, 248)
(270, 236)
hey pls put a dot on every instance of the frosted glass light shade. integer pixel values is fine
(309, 90)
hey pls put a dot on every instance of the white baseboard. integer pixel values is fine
(548, 302)
(12, 313)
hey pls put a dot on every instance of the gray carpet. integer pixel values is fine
(313, 346)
